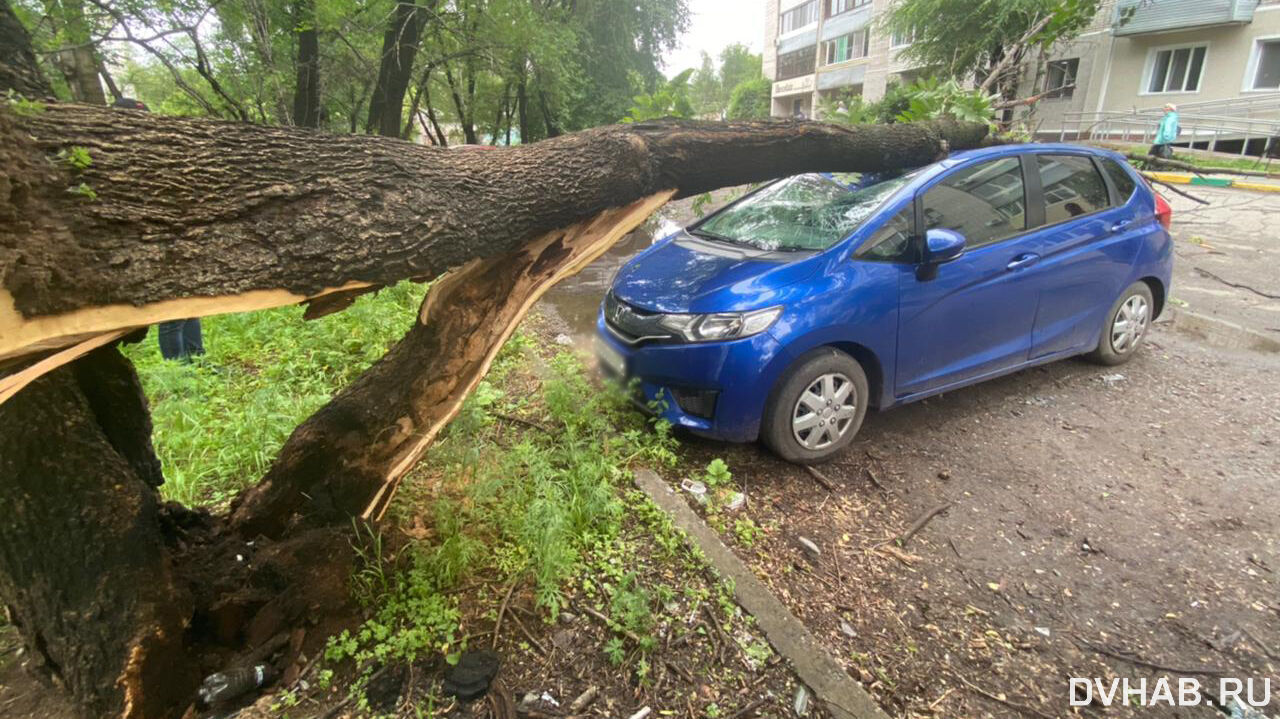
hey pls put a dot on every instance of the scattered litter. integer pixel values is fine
(1112, 378)
(735, 501)
(696, 488)
(801, 705)
(563, 339)
(1240, 711)
(642, 713)
(1043, 631)
(225, 686)
(848, 629)
(469, 678)
(583, 700)
(810, 549)
(546, 697)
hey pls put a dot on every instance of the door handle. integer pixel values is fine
(1121, 225)
(1022, 261)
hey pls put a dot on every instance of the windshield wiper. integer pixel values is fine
(709, 235)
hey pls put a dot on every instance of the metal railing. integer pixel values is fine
(1140, 126)
(1267, 104)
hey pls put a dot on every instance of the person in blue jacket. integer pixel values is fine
(1166, 133)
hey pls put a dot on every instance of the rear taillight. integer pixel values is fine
(1164, 212)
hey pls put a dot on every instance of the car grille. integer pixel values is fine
(632, 324)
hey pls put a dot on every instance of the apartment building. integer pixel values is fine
(1214, 58)
(817, 48)
(1217, 60)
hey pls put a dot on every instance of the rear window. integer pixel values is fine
(1072, 187)
(1121, 178)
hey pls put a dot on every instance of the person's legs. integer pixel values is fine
(169, 335)
(192, 338)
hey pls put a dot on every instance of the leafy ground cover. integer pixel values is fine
(220, 419)
(520, 532)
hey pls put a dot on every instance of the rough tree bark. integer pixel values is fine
(83, 566)
(192, 217)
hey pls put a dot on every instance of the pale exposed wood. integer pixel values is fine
(21, 337)
(12, 384)
(585, 240)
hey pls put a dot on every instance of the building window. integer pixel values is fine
(798, 17)
(1177, 69)
(795, 64)
(846, 47)
(1266, 74)
(835, 7)
(902, 39)
(1060, 80)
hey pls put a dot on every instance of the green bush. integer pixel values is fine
(751, 99)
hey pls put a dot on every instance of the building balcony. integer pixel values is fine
(1142, 17)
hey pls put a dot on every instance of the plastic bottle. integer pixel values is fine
(225, 686)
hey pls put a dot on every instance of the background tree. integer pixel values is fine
(705, 90)
(495, 71)
(987, 41)
(751, 99)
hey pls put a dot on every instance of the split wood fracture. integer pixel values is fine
(183, 217)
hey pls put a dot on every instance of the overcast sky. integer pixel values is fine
(716, 23)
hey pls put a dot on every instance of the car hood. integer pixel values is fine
(690, 274)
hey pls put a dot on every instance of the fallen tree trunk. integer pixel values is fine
(179, 217)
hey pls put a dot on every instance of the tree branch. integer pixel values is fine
(1012, 52)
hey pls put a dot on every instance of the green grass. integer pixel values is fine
(220, 420)
(540, 503)
(1210, 162)
(507, 503)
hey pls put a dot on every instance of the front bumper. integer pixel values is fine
(734, 377)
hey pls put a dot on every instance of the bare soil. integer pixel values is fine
(1102, 522)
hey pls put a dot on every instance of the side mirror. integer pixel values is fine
(942, 246)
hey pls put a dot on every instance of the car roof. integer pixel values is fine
(1023, 148)
(1011, 150)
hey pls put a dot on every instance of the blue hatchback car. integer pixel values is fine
(787, 314)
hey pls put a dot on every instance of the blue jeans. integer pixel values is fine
(181, 339)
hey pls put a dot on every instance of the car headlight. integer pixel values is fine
(720, 325)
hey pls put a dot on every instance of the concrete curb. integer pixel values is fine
(1220, 332)
(844, 697)
(1186, 178)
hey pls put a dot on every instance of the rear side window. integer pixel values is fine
(986, 203)
(1122, 180)
(1072, 187)
(892, 242)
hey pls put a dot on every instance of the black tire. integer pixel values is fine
(784, 405)
(1114, 347)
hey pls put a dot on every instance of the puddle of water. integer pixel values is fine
(577, 299)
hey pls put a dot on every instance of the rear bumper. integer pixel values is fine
(740, 373)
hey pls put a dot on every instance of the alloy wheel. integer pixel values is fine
(825, 411)
(1130, 324)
